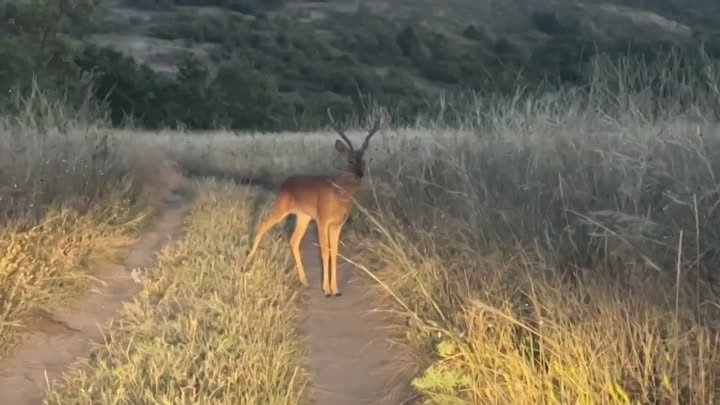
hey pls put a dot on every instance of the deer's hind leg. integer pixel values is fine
(301, 224)
(278, 213)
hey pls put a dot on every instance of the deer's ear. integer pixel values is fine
(340, 146)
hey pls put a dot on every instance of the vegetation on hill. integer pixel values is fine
(245, 64)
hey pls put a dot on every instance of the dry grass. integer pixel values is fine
(538, 263)
(44, 265)
(558, 259)
(562, 252)
(563, 249)
(202, 331)
(70, 197)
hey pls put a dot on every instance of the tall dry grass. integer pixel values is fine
(559, 248)
(203, 330)
(71, 196)
(568, 252)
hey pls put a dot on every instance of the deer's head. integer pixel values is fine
(354, 157)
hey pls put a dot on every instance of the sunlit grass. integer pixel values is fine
(71, 198)
(44, 265)
(534, 265)
(560, 250)
(202, 331)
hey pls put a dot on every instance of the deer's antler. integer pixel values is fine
(371, 132)
(339, 131)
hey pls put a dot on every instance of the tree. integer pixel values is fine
(37, 43)
(249, 98)
(129, 89)
(411, 45)
(196, 99)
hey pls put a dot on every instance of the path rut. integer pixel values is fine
(351, 358)
(53, 342)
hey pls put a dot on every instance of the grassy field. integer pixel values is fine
(564, 252)
(554, 258)
(203, 331)
(558, 249)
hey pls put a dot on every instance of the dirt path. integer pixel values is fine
(352, 361)
(52, 343)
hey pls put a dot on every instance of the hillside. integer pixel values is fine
(146, 31)
(283, 62)
(369, 33)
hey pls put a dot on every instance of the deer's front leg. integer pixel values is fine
(325, 255)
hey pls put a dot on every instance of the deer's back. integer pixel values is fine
(319, 196)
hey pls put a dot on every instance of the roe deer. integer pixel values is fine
(327, 200)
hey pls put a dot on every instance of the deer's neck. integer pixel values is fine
(349, 183)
